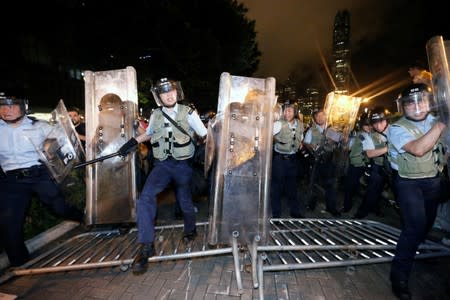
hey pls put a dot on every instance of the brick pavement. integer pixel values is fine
(214, 278)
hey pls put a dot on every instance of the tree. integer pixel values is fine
(159, 38)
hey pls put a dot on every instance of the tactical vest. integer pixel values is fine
(317, 137)
(357, 156)
(379, 141)
(288, 139)
(413, 167)
(173, 142)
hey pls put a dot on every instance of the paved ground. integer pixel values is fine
(214, 277)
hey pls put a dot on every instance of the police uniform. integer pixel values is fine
(417, 184)
(377, 177)
(24, 175)
(358, 163)
(172, 151)
(285, 166)
(325, 167)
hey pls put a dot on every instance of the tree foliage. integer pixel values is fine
(160, 38)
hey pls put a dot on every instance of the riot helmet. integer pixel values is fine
(414, 101)
(165, 85)
(23, 104)
(363, 120)
(377, 115)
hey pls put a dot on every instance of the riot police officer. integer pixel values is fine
(288, 136)
(376, 152)
(23, 175)
(173, 149)
(358, 161)
(324, 168)
(413, 143)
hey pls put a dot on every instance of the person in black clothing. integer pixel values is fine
(80, 126)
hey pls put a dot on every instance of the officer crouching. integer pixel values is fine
(22, 176)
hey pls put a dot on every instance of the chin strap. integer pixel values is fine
(14, 121)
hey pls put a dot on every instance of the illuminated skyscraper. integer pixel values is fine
(341, 51)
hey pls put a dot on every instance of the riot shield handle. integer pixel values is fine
(92, 161)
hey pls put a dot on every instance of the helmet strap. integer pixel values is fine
(16, 120)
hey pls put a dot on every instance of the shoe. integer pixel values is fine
(189, 237)
(140, 262)
(401, 290)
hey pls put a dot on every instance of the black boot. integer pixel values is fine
(401, 290)
(189, 237)
(140, 262)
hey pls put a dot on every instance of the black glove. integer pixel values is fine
(127, 147)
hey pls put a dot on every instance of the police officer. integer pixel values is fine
(376, 151)
(324, 168)
(358, 161)
(23, 174)
(288, 136)
(413, 148)
(172, 152)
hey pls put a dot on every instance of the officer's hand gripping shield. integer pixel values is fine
(111, 110)
(241, 138)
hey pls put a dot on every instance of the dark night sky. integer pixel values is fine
(290, 31)
(385, 35)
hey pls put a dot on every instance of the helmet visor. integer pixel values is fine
(415, 105)
(10, 101)
(165, 87)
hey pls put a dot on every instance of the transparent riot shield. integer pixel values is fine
(438, 52)
(341, 111)
(111, 110)
(62, 148)
(241, 135)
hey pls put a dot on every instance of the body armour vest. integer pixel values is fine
(288, 140)
(165, 142)
(379, 140)
(413, 167)
(357, 156)
(317, 138)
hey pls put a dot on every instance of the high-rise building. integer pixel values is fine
(341, 52)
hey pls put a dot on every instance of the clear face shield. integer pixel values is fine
(415, 106)
(166, 86)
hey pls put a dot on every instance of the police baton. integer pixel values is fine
(102, 158)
